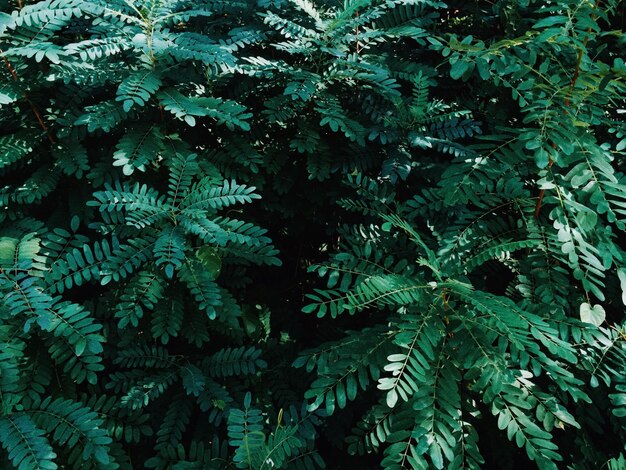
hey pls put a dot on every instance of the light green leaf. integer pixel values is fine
(594, 315)
(621, 274)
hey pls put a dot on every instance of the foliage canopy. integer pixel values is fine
(435, 276)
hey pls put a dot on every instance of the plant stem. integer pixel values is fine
(579, 59)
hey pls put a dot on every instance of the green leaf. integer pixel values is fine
(434, 451)
(542, 158)
(587, 220)
(458, 69)
(594, 315)
(211, 260)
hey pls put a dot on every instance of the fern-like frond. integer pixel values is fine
(26, 443)
(71, 424)
(224, 112)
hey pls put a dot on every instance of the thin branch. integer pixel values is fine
(34, 108)
(567, 99)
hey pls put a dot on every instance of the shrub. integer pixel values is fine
(453, 173)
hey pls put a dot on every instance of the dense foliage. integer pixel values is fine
(304, 234)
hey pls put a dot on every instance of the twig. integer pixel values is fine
(34, 108)
(9, 66)
(358, 46)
